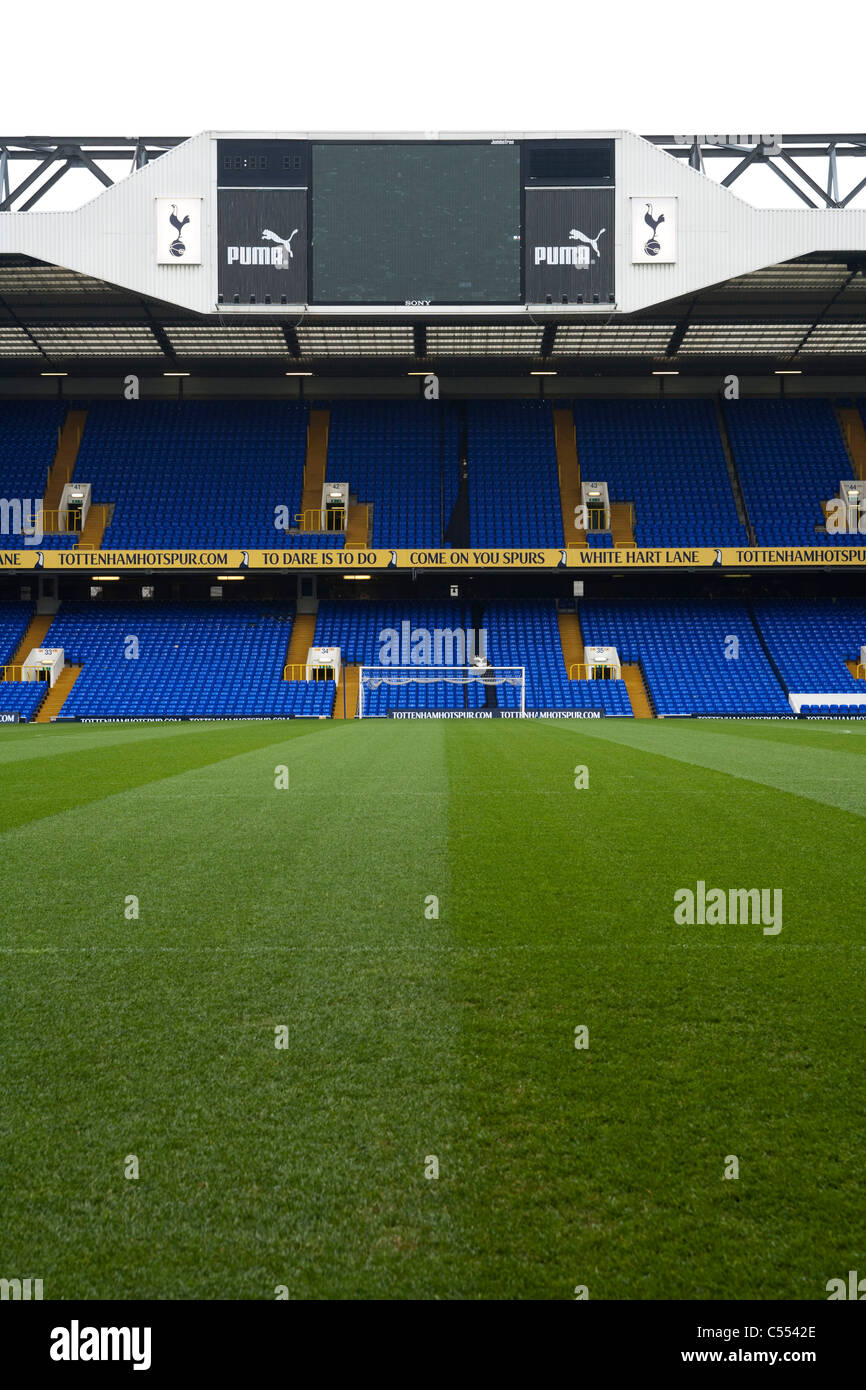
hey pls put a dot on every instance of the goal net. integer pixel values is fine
(382, 688)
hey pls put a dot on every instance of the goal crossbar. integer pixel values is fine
(372, 677)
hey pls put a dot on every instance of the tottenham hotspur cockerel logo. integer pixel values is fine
(178, 246)
(653, 245)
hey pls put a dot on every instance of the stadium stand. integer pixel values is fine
(513, 481)
(790, 457)
(811, 644)
(197, 474)
(400, 458)
(667, 458)
(682, 647)
(194, 660)
(527, 634)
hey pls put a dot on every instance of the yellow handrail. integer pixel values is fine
(54, 522)
(311, 519)
(50, 521)
(6, 670)
(861, 671)
(297, 671)
(585, 669)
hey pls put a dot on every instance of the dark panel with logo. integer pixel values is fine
(262, 163)
(569, 245)
(263, 245)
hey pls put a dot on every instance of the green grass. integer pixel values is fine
(411, 1037)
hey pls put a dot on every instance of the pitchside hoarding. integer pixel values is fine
(572, 560)
(569, 245)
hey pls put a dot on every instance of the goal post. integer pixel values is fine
(478, 678)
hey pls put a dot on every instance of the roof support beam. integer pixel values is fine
(83, 152)
(49, 183)
(745, 151)
(6, 204)
(741, 168)
(85, 162)
(810, 182)
(791, 184)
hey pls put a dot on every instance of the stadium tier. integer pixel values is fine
(791, 457)
(666, 458)
(183, 660)
(697, 657)
(198, 474)
(144, 660)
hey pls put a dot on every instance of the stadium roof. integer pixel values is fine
(373, 283)
(809, 313)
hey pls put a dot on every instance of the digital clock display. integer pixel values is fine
(262, 163)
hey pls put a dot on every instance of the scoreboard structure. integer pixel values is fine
(567, 230)
(415, 223)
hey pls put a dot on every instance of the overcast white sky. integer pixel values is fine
(661, 66)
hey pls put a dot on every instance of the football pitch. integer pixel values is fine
(427, 1022)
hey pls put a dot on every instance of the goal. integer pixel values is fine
(476, 680)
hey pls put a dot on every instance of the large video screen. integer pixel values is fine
(416, 223)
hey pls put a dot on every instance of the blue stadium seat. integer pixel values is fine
(194, 660)
(527, 634)
(513, 479)
(28, 444)
(197, 474)
(683, 648)
(667, 458)
(790, 457)
(811, 641)
(401, 459)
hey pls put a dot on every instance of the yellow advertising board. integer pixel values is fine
(471, 558)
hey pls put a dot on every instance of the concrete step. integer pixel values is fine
(56, 697)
